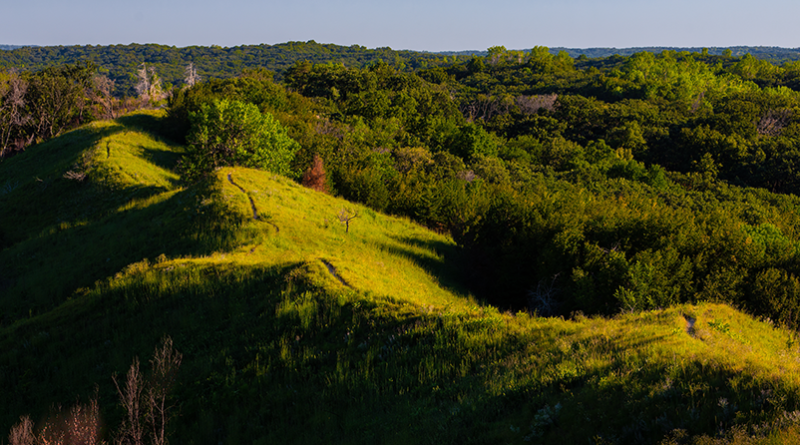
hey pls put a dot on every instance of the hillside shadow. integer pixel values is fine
(69, 145)
(47, 269)
(78, 336)
(165, 159)
(447, 271)
(38, 191)
(224, 321)
(144, 122)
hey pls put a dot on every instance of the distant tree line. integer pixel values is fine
(120, 62)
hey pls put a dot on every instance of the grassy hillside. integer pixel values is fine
(294, 330)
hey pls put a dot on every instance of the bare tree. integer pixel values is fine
(131, 431)
(79, 426)
(165, 365)
(145, 401)
(148, 86)
(190, 76)
(486, 107)
(82, 424)
(143, 82)
(543, 299)
(22, 433)
(101, 94)
(12, 110)
(532, 104)
(773, 122)
(347, 215)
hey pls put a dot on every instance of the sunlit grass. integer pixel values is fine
(390, 349)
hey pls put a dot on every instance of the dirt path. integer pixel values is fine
(256, 216)
(332, 270)
(252, 203)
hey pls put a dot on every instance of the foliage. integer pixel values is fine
(38, 106)
(234, 133)
(120, 62)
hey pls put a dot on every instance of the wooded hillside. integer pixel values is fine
(523, 246)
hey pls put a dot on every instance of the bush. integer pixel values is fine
(235, 133)
(314, 176)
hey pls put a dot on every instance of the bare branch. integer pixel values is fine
(543, 299)
(345, 216)
(131, 432)
(22, 433)
(532, 104)
(165, 363)
(101, 94)
(773, 122)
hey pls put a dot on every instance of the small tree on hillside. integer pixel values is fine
(347, 215)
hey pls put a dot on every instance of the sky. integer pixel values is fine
(426, 25)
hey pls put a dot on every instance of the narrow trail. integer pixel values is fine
(256, 216)
(689, 325)
(332, 270)
(252, 203)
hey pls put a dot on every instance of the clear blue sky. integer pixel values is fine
(433, 25)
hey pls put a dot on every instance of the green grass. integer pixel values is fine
(392, 349)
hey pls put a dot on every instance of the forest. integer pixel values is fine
(120, 62)
(572, 186)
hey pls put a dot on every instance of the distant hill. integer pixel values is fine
(771, 53)
(11, 47)
(121, 61)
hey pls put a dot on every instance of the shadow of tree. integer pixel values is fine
(448, 270)
(41, 196)
(177, 226)
(145, 122)
(165, 159)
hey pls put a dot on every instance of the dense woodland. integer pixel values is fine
(120, 62)
(593, 186)
(588, 185)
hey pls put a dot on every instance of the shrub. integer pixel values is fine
(314, 177)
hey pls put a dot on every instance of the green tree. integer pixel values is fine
(234, 133)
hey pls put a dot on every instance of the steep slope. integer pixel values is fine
(295, 330)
